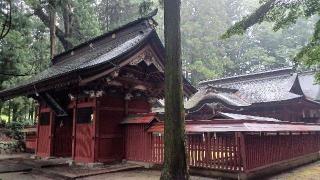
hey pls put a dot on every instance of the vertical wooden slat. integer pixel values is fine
(38, 124)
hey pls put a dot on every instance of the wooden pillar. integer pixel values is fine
(38, 119)
(95, 131)
(242, 150)
(74, 126)
(94, 126)
(51, 140)
(208, 150)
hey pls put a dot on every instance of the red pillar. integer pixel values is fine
(38, 119)
(94, 149)
(242, 150)
(51, 140)
(74, 128)
(95, 130)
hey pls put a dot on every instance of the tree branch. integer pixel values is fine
(256, 17)
(60, 34)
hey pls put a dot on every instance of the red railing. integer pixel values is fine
(221, 152)
(233, 152)
(263, 150)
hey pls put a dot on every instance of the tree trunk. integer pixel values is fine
(52, 27)
(59, 33)
(67, 21)
(175, 164)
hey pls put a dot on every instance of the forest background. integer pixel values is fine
(25, 50)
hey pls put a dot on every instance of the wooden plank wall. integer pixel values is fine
(138, 143)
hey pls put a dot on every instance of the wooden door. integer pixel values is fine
(43, 136)
(110, 141)
(84, 135)
(62, 146)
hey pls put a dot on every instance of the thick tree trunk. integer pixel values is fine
(52, 27)
(60, 34)
(175, 164)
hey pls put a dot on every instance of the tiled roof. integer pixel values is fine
(207, 96)
(259, 88)
(95, 56)
(246, 117)
(246, 90)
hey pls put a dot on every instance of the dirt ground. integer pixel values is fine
(135, 175)
(307, 172)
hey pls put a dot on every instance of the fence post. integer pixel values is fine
(242, 150)
(208, 150)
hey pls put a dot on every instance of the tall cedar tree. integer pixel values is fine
(52, 11)
(175, 164)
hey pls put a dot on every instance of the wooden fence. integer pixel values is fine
(236, 152)
(205, 151)
(263, 150)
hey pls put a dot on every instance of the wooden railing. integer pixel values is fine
(236, 152)
(263, 150)
(221, 152)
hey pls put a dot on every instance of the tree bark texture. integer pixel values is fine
(175, 163)
(59, 33)
(52, 27)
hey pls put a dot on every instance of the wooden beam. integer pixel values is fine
(134, 82)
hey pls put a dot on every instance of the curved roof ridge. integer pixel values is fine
(106, 34)
(245, 77)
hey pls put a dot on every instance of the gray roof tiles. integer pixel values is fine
(95, 56)
(261, 89)
(246, 90)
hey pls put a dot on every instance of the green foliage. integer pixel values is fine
(25, 51)
(283, 15)
(13, 129)
(89, 27)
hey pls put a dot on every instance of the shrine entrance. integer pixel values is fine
(62, 139)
